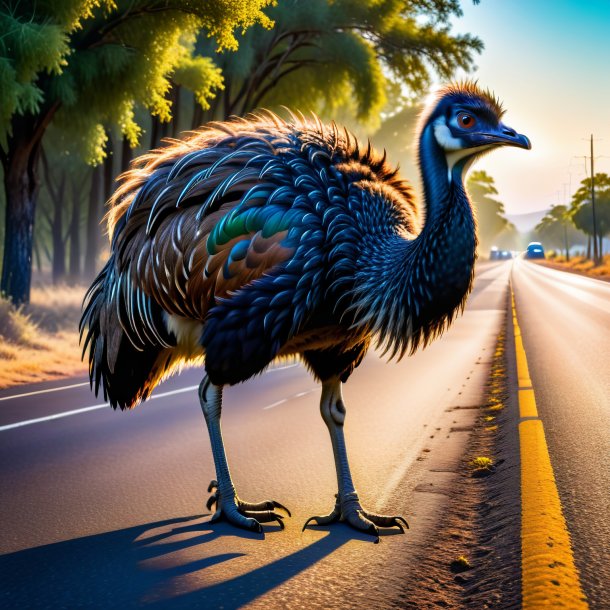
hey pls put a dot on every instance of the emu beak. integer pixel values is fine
(506, 136)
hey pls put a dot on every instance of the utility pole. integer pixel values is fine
(596, 258)
(564, 222)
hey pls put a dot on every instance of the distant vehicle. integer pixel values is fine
(499, 255)
(534, 250)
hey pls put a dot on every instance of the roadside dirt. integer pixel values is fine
(39, 342)
(580, 266)
(474, 560)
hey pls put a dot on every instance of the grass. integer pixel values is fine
(580, 264)
(461, 564)
(482, 462)
(40, 341)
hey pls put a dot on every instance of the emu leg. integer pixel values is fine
(243, 514)
(347, 506)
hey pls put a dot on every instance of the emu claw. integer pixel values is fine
(212, 500)
(349, 509)
(334, 515)
(246, 515)
(386, 521)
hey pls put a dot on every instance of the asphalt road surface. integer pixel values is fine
(565, 322)
(107, 509)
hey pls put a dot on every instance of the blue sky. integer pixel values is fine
(549, 61)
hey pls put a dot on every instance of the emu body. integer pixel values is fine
(256, 239)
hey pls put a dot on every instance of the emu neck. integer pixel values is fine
(444, 251)
(443, 185)
(422, 283)
(441, 258)
(446, 246)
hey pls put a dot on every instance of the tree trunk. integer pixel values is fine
(20, 185)
(154, 131)
(163, 131)
(109, 169)
(20, 161)
(36, 249)
(20, 190)
(75, 250)
(93, 230)
(58, 265)
(176, 111)
(589, 247)
(126, 155)
(197, 116)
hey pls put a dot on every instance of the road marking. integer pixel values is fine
(63, 387)
(79, 385)
(39, 420)
(281, 368)
(549, 575)
(281, 402)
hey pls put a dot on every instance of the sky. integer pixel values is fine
(549, 62)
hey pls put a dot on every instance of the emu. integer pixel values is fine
(256, 239)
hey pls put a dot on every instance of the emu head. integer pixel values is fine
(467, 122)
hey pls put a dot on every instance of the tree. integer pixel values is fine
(84, 64)
(581, 209)
(326, 55)
(556, 229)
(489, 211)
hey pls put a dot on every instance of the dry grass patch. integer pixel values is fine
(40, 341)
(581, 265)
(481, 462)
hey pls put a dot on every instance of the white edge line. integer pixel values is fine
(38, 420)
(281, 402)
(63, 387)
(282, 368)
(78, 385)
(275, 404)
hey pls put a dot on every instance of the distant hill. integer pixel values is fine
(526, 222)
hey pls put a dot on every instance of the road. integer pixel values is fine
(106, 509)
(565, 323)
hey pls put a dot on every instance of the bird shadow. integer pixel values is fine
(128, 568)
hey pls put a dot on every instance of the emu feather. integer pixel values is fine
(259, 238)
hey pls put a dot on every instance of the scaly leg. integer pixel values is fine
(243, 514)
(347, 507)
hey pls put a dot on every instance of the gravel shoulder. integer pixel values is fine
(474, 561)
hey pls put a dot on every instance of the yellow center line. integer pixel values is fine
(549, 575)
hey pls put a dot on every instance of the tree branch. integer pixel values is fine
(297, 66)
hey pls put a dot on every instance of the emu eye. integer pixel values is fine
(466, 121)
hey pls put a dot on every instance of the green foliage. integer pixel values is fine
(489, 212)
(583, 194)
(87, 65)
(200, 75)
(97, 59)
(556, 229)
(330, 55)
(582, 217)
(581, 211)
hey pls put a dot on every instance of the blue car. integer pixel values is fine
(534, 250)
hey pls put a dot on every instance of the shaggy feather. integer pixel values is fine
(275, 238)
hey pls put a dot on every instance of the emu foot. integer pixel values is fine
(349, 509)
(246, 515)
